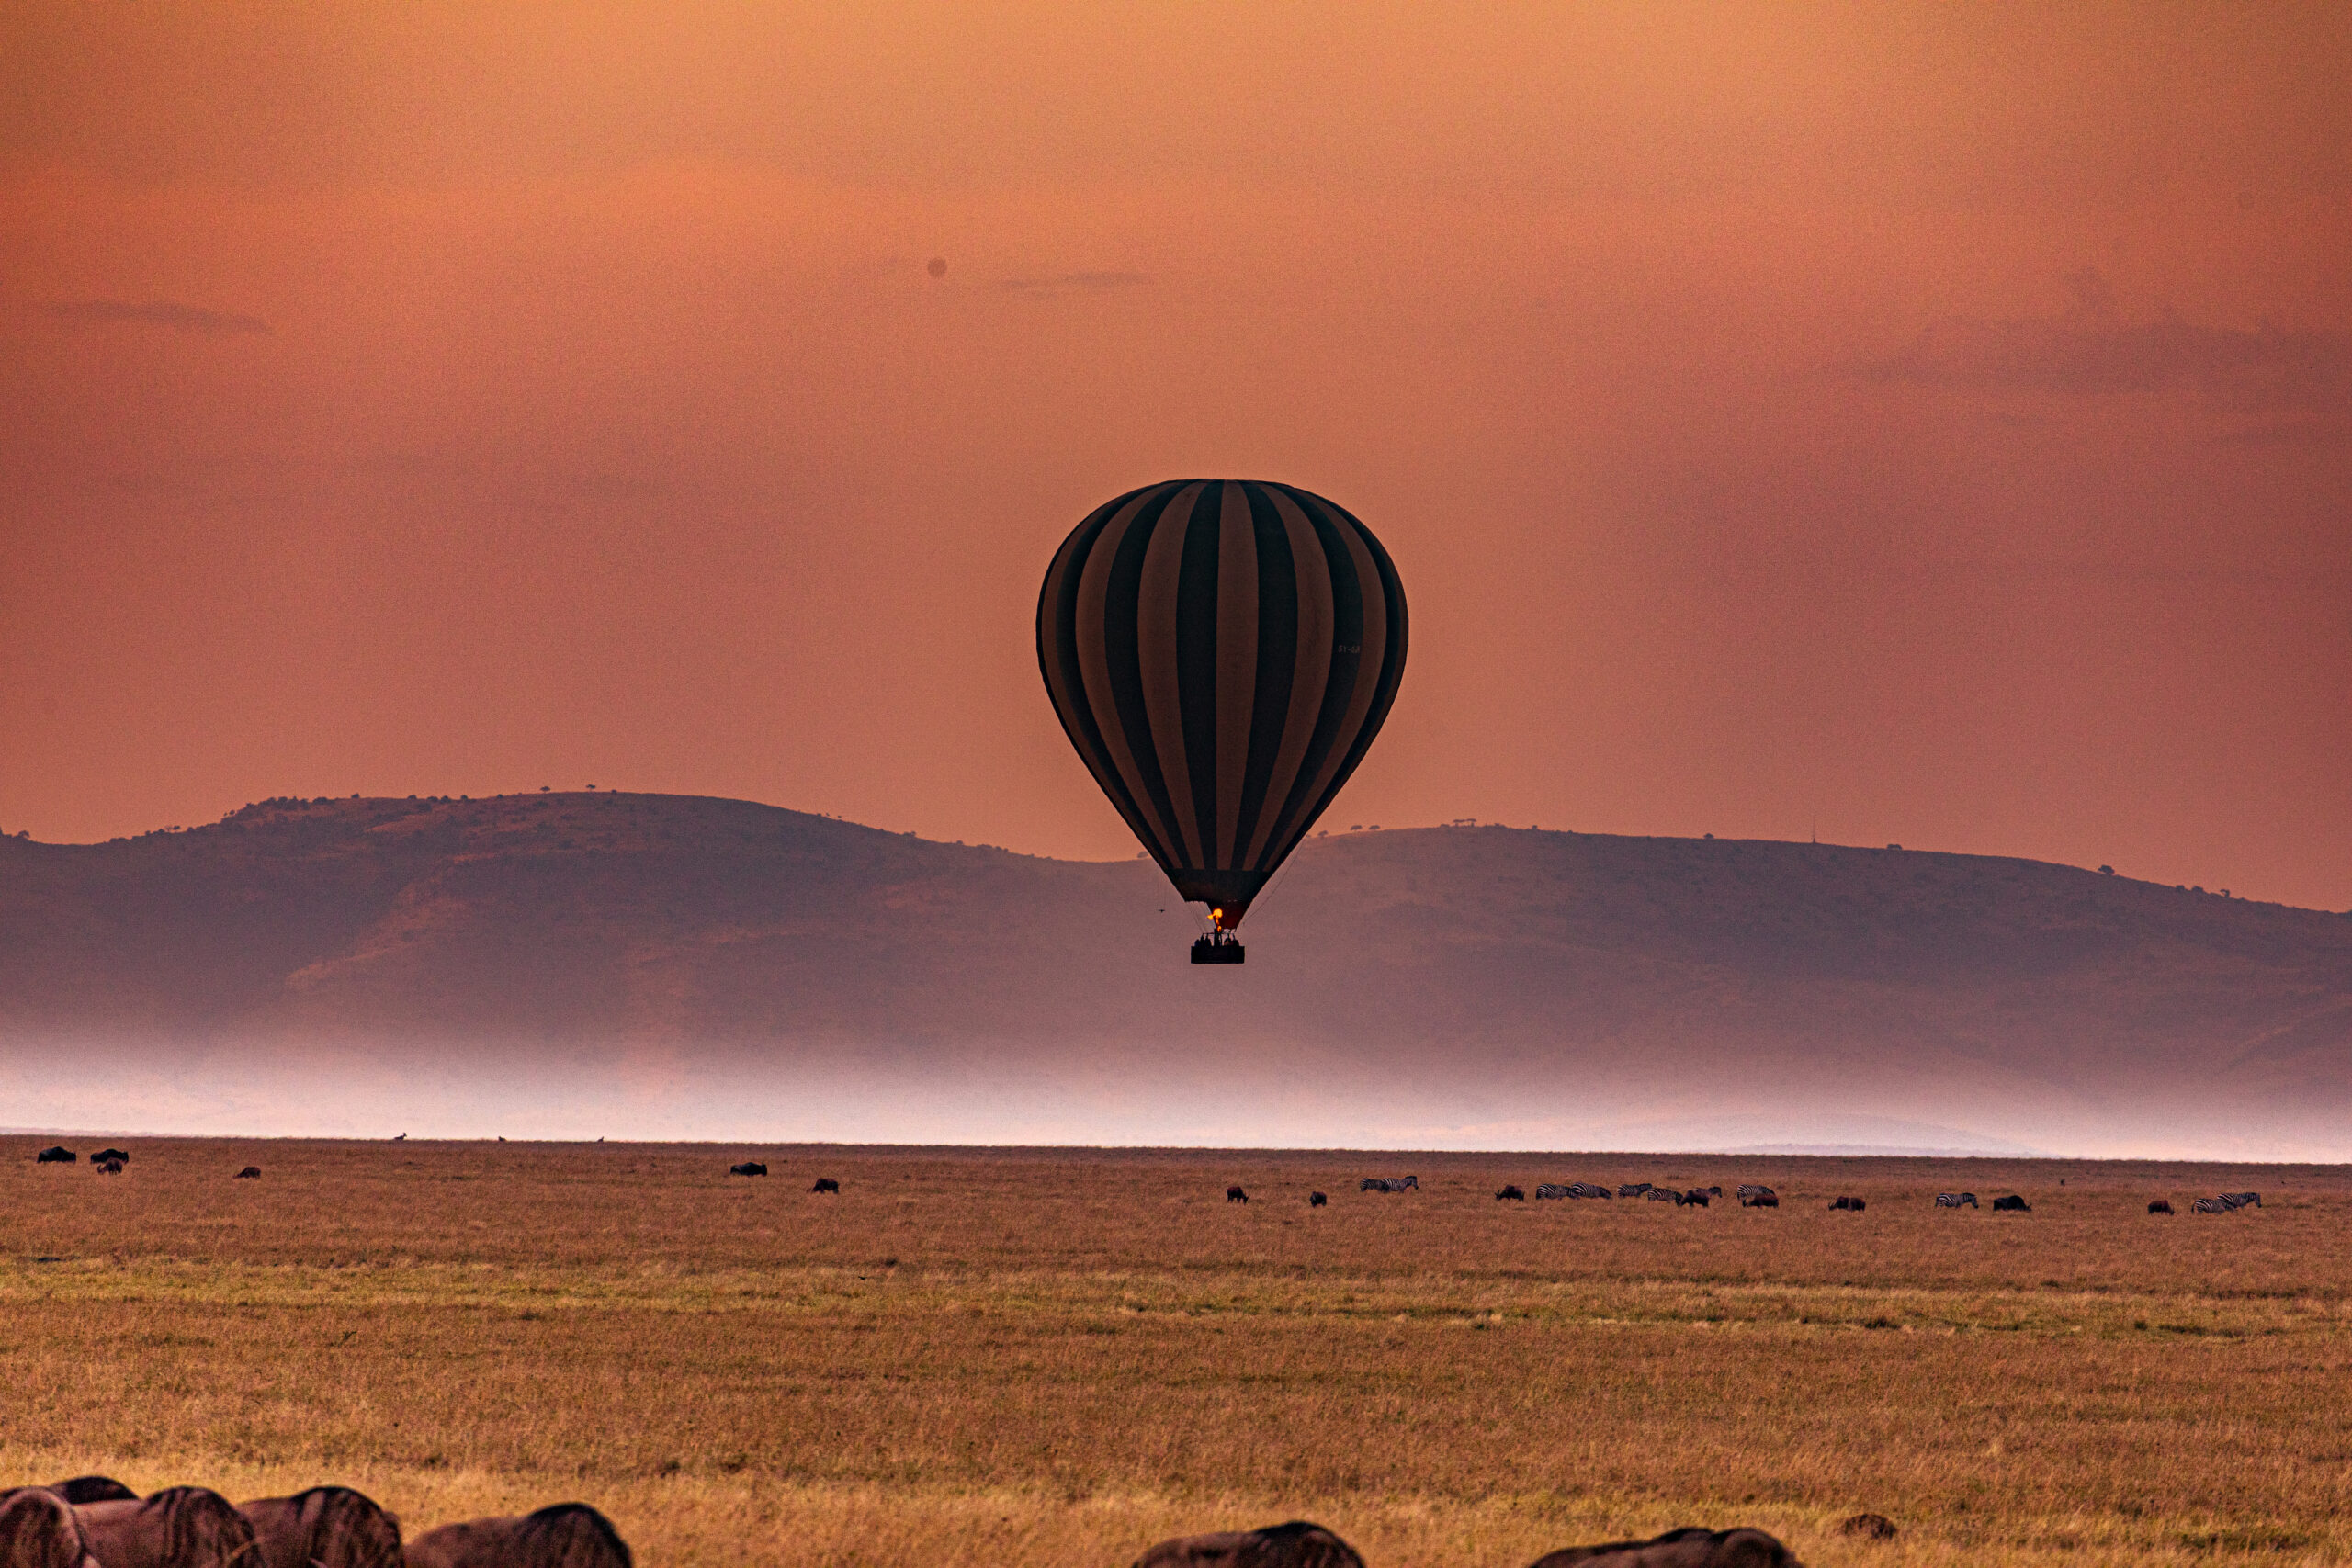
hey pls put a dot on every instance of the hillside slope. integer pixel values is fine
(1524, 973)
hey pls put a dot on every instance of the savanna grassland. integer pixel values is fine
(1013, 1357)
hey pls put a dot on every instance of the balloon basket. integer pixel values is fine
(1217, 949)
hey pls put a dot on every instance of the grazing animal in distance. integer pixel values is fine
(39, 1530)
(1295, 1545)
(2012, 1204)
(1550, 1189)
(1390, 1184)
(749, 1168)
(1235, 1195)
(1955, 1200)
(1660, 1194)
(250, 1173)
(1688, 1548)
(1696, 1198)
(332, 1526)
(1710, 1191)
(567, 1535)
(1869, 1527)
(1855, 1205)
(93, 1489)
(112, 1168)
(822, 1184)
(1317, 1200)
(1587, 1190)
(121, 1156)
(2210, 1206)
(1761, 1201)
(2161, 1206)
(1633, 1189)
(1753, 1189)
(2243, 1200)
(57, 1154)
(1511, 1194)
(180, 1527)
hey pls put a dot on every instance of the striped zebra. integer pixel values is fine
(2210, 1206)
(2243, 1200)
(1753, 1189)
(1662, 1194)
(1390, 1184)
(1633, 1189)
(1551, 1189)
(1955, 1200)
(1587, 1190)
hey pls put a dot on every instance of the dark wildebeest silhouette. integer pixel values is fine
(332, 1526)
(1315, 1200)
(180, 1527)
(1761, 1201)
(112, 1168)
(57, 1154)
(2012, 1204)
(1511, 1194)
(121, 1156)
(1855, 1205)
(1695, 1198)
(2161, 1206)
(569, 1535)
(39, 1530)
(1690, 1548)
(822, 1184)
(1235, 1195)
(93, 1489)
(749, 1168)
(1869, 1527)
(250, 1173)
(1295, 1545)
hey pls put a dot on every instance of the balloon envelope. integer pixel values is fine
(1221, 653)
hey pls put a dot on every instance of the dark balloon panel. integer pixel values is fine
(1222, 653)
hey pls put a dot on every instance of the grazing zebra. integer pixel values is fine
(1955, 1200)
(1390, 1184)
(1753, 1189)
(1552, 1190)
(1587, 1190)
(2210, 1206)
(1509, 1194)
(1660, 1194)
(2243, 1200)
(1633, 1189)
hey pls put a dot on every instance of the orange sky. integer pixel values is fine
(1931, 422)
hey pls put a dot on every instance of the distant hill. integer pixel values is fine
(1477, 984)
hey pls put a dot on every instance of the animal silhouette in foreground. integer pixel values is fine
(332, 1526)
(180, 1527)
(1689, 1547)
(40, 1529)
(1295, 1545)
(568, 1535)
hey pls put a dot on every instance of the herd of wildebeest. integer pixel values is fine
(95, 1521)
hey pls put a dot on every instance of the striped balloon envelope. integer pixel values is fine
(1221, 653)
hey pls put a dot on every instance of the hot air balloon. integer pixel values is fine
(1221, 653)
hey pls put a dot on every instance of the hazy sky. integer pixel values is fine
(1930, 422)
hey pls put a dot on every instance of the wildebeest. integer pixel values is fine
(1295, 1545)
(250, 1173)
(1710, 1191)
(1689, 1547)
(1315, 1200)
(57, 1154)
(1511, 1194)
(1955, 1200)
(1235, 1195)
(180, 1527)
(1633, 1189)
(2012, 1204)
(1390, 1184)
(822, 1184)
(2243, 1200)
(748, 1168)
(1761, 1201)
(39, 1530)
(1855, 1205)
(2161, 1206)
(93, 1489)
(1695, 1198)
(568, 1535)
(1869, 1527)
(332, 1526)
(2210, 1206)
(121, 1156)
(112, 1168)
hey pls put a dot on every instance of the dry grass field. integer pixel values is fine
(1013, 1357)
